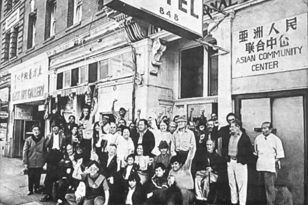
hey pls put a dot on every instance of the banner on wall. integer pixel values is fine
(270, 48)
(29, 80)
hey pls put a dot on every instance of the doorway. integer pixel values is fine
(287, 112)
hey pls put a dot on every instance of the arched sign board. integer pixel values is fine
(181, 17)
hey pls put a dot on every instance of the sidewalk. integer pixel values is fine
(13, 184)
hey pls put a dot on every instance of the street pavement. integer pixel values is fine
(13, 184)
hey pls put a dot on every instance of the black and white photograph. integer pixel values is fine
(153, 102)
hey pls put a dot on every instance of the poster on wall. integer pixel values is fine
(23, 113)
(274, 47)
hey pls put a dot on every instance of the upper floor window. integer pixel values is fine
(10, 44)
(213, 71)
(74, 14)
(31, 30)
(9, 5)
(50, 21)
(100, 4)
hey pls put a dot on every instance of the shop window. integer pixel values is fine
(67, 79)
(31, 30)
(13, 43)
(192, 72)
(100, 4)
(103, 69)
(93, 72)
(74, 12)
(213, 71)
(6, 46)
(59, 81)
(50, 20)
(83, 75)
(74, 76)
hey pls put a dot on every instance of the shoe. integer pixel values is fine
(29, 193)
(46, 198)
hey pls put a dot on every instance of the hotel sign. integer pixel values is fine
(277, 46)
(30, 80)
(12, 20)
(181, 17)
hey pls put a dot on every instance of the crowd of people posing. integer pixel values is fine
(154, 161)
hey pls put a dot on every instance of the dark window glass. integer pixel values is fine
(92, 72)
(59, 81)
(192, 72)
(213, 71)
(74, 77)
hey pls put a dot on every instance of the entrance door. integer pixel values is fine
(18, 138)
(287, 116)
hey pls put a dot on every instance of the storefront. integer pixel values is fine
(29, 90)
(270, 80)
(5, 80)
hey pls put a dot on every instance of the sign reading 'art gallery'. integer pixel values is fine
(274, 47)
(30, 80)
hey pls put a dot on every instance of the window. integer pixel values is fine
(13, 42)
(50, 20)
(121, 65)
(92, 72)
(213, 71)
(103, 69)
(100, 4)
(67, 79)
(74, 75)
(192, 72)
(83, 74)
(31, 30)
(59, 81)
(9, 5)
(74, 12)
(6, 46)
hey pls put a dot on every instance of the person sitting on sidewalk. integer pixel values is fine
(96, 186)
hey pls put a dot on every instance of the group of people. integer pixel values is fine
(154, 161)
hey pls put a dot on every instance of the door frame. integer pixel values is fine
(279, 94)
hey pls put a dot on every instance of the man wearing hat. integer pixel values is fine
(183, 140)
(164, 156)
(55, 143)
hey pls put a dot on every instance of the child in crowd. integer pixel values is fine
(130, 168)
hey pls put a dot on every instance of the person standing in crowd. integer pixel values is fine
(143, 162)
(161, 135)
(239, 151)
(125, 146)
(145, 137)
(131, 167)
(34, 158)
(268, 147)
(172, 127)
(183, 141)
(71, 123)
(181, 171)
(120, 115)
(98, 140)
(55, 144)
(112, 137)
(207, 167)
(164, 156)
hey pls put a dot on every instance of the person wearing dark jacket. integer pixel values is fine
(134, 193)
(240, 152)
(145, 137)
(34, 158)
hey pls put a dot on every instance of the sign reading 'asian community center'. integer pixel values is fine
(274, 47)
(30, 80)
(181, 17)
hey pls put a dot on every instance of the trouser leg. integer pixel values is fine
(232, 181)
(30, 179)
(198, 188)
(241, 175)
(37, 177)
(269, 179)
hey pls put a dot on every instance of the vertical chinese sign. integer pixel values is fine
(274, 47)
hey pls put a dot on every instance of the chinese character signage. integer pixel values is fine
(30, 80)
(181, 17)
(274, 47)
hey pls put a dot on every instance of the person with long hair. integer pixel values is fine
(98, 140)
(125, 146)
(143, 162)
